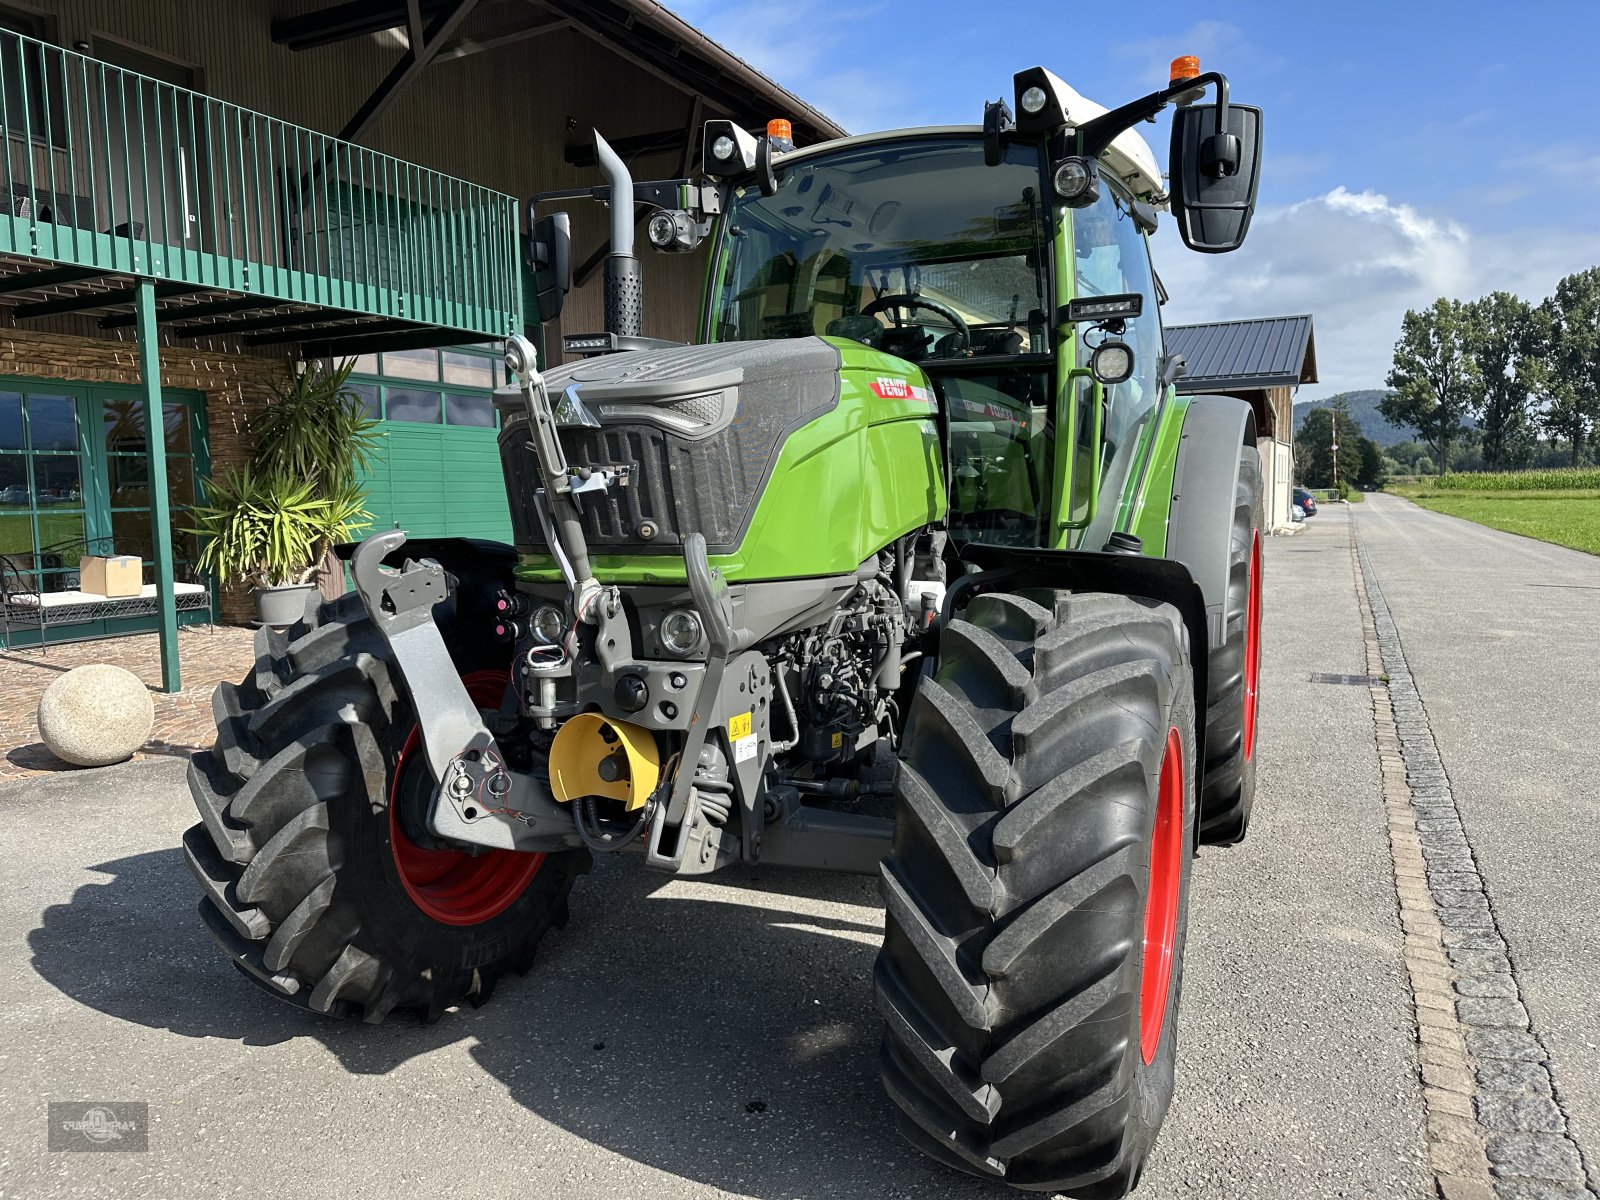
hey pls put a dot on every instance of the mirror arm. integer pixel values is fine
(1096, 135)
(692, 195)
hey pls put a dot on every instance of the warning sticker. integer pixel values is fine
(740, 726)
(745, 748)
(837, 740)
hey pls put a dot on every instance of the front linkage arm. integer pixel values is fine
(480, 800)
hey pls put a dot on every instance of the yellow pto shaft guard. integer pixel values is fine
(595, 756)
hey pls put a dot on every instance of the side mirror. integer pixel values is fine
(1215, 174)
(550, 256)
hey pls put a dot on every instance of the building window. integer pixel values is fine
(430, 387)
(32, 72)
(75, 477)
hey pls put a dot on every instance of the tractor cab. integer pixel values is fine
(912, 244)
(1006, 262)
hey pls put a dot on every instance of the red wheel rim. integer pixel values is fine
(1252, 646)
(451, 886)
(1161, 904)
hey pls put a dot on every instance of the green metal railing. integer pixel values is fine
(113, 171)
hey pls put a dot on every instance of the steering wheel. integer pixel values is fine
(905, 300)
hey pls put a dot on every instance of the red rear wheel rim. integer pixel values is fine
(1161, 904)
(451, 886)
(1252, 646)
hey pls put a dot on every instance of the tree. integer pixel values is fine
(1372, 472)
(1434, 376)
(1314, 448)
(1501, 334)
(1408, 455)
(1568, 335)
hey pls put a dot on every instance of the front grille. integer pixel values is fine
(714, 499)
(678, 485)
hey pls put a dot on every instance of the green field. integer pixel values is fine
(1542, 508)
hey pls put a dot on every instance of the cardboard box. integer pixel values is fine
(119, 575)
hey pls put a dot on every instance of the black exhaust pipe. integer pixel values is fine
(624, 274)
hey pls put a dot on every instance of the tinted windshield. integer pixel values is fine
(915, 247)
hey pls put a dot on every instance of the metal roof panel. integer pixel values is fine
(1260, 353)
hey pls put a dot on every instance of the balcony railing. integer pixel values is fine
(109, 170)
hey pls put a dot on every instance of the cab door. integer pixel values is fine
(1111, 256)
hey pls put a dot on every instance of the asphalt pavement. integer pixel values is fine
(718, 1038)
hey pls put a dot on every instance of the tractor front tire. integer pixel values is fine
(1228, 791)
(311, 881)
(1037, 891)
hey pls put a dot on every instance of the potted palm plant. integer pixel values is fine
(270, 526)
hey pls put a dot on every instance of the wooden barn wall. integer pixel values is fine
(501, 118)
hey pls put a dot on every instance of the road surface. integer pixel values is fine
(718, 1039)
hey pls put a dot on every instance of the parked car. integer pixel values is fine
(17, 493)
(1306, 501)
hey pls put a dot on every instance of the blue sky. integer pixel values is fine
(1412, 149)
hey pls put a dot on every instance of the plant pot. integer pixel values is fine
(280, 606)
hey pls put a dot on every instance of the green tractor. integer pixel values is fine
(916, 565)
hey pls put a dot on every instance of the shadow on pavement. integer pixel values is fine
(729, 1038)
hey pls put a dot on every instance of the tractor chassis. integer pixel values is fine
(484, 802)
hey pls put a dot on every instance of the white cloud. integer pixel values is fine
(1356, 261)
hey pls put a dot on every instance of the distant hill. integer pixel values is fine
(1363, 409)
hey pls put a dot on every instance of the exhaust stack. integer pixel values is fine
(624, 296)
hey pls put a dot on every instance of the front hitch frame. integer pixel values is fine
(479, 799)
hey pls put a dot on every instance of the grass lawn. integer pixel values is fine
(1569, 518)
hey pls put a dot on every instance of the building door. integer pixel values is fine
(120, 460)
(158, 188)
(45, 485)
(437, 472)
(74, 479)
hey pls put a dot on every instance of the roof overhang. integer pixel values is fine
(641, 31)
(1248, 355)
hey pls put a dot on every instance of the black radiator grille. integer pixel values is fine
(679, 485)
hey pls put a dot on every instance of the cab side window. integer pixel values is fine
(1112, 259)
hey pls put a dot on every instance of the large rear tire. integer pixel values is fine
(1037, 891)
(313, 884)
(1233, 670)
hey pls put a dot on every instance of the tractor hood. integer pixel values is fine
(693, 433)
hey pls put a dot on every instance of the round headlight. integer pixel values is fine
(680, 631)
(722, 148)
(662, 230)
(1111, 362)
(1033, 100)
(548, 624)
(1072, 179)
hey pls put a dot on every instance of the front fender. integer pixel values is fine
(1200, 523)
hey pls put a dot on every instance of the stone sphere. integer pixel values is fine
(96, 715)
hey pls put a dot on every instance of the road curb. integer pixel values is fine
(1495, 1126)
